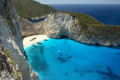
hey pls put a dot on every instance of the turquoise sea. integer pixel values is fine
(65, 59)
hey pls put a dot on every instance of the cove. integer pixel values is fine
(65, 59)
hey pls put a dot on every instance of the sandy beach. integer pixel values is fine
(27, 41)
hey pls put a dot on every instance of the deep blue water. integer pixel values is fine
(64, 59)
(107, 14)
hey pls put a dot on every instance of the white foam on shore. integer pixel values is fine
(27, 42)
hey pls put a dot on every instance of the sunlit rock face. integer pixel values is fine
(60, 25)
(11, 37)
(63, 24)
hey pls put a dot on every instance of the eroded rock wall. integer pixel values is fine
(63, 24)
(30, 28)
(11, 38)
(8, 68)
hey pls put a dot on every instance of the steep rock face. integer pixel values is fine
(31, 28)
(11, 37)
(63, 24)
(8, 68)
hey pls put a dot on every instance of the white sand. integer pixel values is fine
(27, 42)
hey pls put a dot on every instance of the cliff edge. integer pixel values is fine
(76, 26)
(82, 28)
(11, 42)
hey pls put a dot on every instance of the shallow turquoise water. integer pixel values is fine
(64, 59)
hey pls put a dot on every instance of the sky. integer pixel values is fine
(79, 1)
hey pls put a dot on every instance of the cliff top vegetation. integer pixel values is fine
(31, 8)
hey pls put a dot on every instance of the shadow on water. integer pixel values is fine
(39, 63)
(76, 70)
(64, 58)
(37, 20)
(36, 59)
(89, 71)
(25, 55)
(66, 74)
(118, 53)
(109, 74)
(42, 49)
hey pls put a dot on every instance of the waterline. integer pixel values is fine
(64, 59)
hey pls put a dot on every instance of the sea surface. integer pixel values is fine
(65, 59)
(108, 14)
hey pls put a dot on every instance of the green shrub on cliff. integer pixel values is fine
(8, 54)
(31, 8)
(7, 64)
(84, 19)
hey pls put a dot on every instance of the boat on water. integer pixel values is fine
(35, 45)
(39, 43)
(45, 39)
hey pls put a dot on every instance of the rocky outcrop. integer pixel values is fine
(31, 28)
(60, 25)
(11, 39)
(8, 68)
(63, 24)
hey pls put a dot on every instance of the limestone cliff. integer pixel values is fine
(8, 68)
(81, 28)
(11, 41)
(31, 28)
(65, 24)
